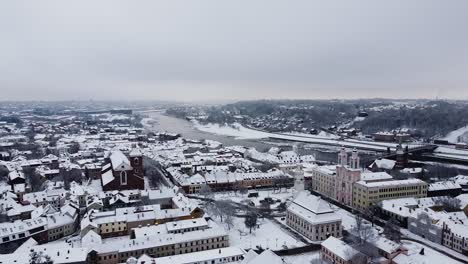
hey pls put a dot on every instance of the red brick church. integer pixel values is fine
(121, 172)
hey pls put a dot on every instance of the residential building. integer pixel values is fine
(212, 256)
(336, 251)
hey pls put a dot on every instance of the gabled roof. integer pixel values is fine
(266, 256)
(339, 248)
(312, 203)
(119, 161)
(313, 209)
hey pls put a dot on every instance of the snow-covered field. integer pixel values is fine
(304, 258)
(454, 135)
(283, 195)
(451, 152)
(238, 131)
(268, 235)
(235, 130)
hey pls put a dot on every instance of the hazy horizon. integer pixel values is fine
(212, 51)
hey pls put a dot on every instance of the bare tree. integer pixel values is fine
(251, 221)
(282, 207)
(359, 258)
(39, 258)
(3, 173)
(392, 230)
(74, 148)
(223, 208)
(69, 176)
(152, 171)
(243, 190)
(33, 178)
(449, 204)
(206, 192)
(362, 231)
(229, 221)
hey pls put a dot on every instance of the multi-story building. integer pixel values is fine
(313, 217)
(226, 181)
(368, 193)
(347, 173)
(323, 180)
(121, 221)
(212, 256)
(19, 231)
(62, 223)
(49, 226)
(455, 236)
(54, 197)
(155, 245)
(336, 251)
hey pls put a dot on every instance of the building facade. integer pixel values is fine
(313, 217)
(369, 193)
(122, 173)
(347, 173)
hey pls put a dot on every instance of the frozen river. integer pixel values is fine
(161, 122)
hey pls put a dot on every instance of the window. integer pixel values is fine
(123, 178)
(137, 161)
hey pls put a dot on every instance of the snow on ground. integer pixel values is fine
(147, 121)
(238, 131)
(268, 235)
(408, 234)
(451, 152)
(322, 134)
(430, 256)
(283, 195)
(111, 117)
(235, 130)
(94, 187)
(305, 258)
(454, 135)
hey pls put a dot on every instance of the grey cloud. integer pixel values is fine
(197, 50)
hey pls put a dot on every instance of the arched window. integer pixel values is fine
(136, 161)
(123, 178)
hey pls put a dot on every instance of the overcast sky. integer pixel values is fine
(228, 50)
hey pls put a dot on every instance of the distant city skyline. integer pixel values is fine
(212, 51)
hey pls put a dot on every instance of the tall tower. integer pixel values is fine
(354, 163)
(401, 157)
(346, 176)
(342, 157)
(136, 161)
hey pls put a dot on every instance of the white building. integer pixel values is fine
(313, 217)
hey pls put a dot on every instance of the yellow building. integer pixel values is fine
(367, 193)
(323, 180)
